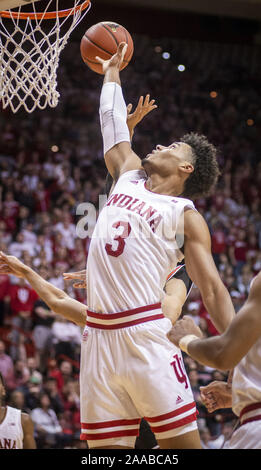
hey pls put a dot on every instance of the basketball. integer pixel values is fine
(102, 39)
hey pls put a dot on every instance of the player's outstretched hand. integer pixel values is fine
(80, 276)
(12, 265)
(216, 395)
(183, 327)
(144, 107)
(116, 60)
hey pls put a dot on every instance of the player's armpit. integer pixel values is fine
(203, 272)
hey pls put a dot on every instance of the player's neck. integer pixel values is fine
(166, 186)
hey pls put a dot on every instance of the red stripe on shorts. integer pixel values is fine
(117, 326)
(252, 407)
(172, 414)
(112, 316)
(109, 435)
(110, 424)
(175, 424)
(249, 420)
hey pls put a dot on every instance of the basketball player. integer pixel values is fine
(128, 367)
(16, 428)
(239, 347)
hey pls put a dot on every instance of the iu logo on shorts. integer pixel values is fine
(179, 370)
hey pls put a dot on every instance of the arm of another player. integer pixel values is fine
(177, 289)
(56, 299)
(175, 297)
(203, 272)
(118, 154)
(216, 395)
(223, 352)
(28, 430)
(144, 107)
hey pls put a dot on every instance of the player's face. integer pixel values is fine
(167, 159)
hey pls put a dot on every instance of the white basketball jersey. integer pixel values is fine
(11, 431)
(133, 247)
(247, 380)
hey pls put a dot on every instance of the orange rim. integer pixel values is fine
(44, 16)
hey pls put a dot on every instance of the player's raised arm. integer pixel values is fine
(203, 272)
(118, 154)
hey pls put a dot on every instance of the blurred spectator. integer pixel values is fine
(47, 427)
(33, 367)
(62, 374)
(21, 299)
(42, 332)
(6, 367)
(66, 338)
(21, 373)
(50, 387)
(32, 392)
(4, 284)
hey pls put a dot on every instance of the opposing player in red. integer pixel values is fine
(239, 347)
(16, 428)
(129, 369)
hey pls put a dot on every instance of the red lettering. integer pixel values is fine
(133, 202)
(120, 239)
(123, 202)
(138, 208)
(7, 443)
(148, 212)
(114, 199)
(155, 222)
(179, 370)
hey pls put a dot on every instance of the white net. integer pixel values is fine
(29, 55)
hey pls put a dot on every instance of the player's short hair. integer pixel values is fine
(206, 171)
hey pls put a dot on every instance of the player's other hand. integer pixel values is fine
(116, 60)
(144, 107)
(12, 265)
(80, 276)
(216, 395)
(183, 327)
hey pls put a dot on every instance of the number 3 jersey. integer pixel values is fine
(135, 245)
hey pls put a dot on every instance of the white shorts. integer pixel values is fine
(247, 436)
(128, 373)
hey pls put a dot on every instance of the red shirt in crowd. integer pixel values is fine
(240, 250)
(22, 298)
(218, 239)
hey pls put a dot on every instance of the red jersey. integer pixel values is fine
(22, 298)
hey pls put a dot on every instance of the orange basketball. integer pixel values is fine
(102, 39)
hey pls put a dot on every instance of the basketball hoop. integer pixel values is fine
(30, 48)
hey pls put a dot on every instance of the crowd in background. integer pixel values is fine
(52, 160)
